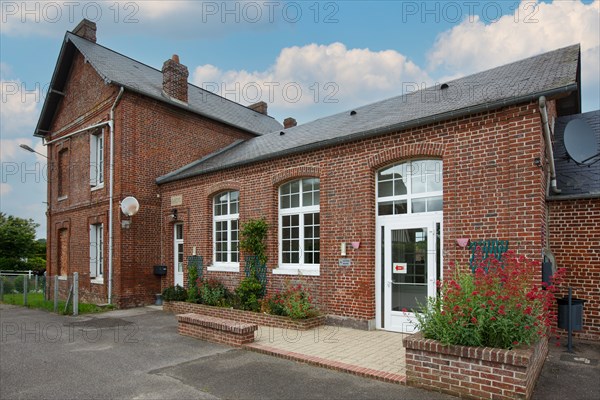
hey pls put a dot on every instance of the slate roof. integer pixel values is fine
(548, 74)
(120, 70)
(573, 179)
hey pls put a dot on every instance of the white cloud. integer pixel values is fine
(175, 18)
(5, 189)
(19, 108)
(316, 79)
(533, 29)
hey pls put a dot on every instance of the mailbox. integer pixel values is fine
(160, 270)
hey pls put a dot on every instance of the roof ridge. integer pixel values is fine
(208, 92)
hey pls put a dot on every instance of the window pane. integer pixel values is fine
(434, 204)
(307, 199)
(386, 188)
(386, 208)
(419, 183)
(400, 207)
(419, 206)
(285, 201)
(295, 200)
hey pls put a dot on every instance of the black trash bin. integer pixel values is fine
(576, 313)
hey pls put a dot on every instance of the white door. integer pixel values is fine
(178, 252)
(411, 266)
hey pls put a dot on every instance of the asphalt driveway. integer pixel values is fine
(137, 354)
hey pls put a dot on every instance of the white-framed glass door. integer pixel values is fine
(409, 266)
(178, 254)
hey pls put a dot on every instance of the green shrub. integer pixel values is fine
(18, 282)
(250, 292)
(293, 302)
(7, 285)
(500, 305)
(174, 293)
(213, 293)
(36, 264)
(253, 238)
(193, 295)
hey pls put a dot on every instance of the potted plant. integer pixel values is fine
(486, 332)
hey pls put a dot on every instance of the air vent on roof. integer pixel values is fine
(352, 112)
(444, 86)
(581, 142)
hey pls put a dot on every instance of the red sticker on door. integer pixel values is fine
(399, 268)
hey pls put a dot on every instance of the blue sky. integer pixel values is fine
(307, 59)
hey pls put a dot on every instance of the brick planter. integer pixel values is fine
(473, 372)
(182, 307)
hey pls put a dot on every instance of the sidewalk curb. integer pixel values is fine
(329, 364)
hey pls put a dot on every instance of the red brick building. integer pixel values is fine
(112, 125)
(364, 207)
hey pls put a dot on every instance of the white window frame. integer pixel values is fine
(228, 218)
(97, 253)
(410, 196)
(97, 160)
(300, 268)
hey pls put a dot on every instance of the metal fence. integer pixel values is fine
(57, 293)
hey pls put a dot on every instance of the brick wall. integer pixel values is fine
(575, 241)
(492, 189)
(473, 372)
(151, 139)
(182, 307)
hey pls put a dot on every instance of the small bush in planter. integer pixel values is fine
(213, 293)
(501, 305)
(174, 293)
(250, 292)
(293, 302)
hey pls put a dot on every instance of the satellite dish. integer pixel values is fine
(130, 206)
(581, 142)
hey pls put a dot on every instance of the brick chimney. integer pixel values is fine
(86, 29)
(260, 107)
(175, 79)
(289, 122)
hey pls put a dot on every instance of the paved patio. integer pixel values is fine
(374, 354)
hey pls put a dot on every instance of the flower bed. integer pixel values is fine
(473, 372)
(182, 307)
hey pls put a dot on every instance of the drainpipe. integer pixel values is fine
(546, 127)
(111, 125)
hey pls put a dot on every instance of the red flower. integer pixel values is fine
(474, 320)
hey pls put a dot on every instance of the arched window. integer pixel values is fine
(410, 187)
(299, 224)
(226, 229)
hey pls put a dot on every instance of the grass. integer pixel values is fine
(36, 300)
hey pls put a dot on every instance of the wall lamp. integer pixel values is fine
(174, 214)
(29, 149)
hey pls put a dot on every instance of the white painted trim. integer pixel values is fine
(233, 267)
(97, 281)
(296, 271)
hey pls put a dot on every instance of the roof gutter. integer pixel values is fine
(111, 186)
(381, 131)
(550, 151)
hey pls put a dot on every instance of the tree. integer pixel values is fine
(17, 242)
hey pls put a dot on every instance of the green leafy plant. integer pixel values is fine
(250, 292)
(500, 305)
(174, 293)
(213, 293)
(193, 294)
(294, 302)
(253, 238)
(7, 285)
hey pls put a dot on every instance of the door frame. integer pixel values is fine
(176, 243)
(409, 221)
